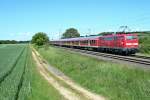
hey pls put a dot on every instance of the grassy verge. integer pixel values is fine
(144, 40)
(115, 81)
(62, 83)
(38, 87)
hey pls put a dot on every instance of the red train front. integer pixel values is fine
(120, 43)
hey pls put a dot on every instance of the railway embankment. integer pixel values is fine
(112, 80)
(65, 86)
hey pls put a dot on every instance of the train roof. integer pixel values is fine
(79, 38)
(91, 37)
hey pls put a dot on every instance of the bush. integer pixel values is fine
(144, 44)
(40, 39)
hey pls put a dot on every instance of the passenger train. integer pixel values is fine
(119, 43)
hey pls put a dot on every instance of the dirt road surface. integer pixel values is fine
(56, 78)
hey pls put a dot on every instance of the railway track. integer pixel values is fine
(142, 60)
(140, 56)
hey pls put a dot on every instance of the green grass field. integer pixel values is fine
(144, 40)
(19, 78)
(114, 81)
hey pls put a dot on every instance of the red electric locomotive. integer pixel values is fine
(120, 43)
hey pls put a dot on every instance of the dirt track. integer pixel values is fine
(56, 77)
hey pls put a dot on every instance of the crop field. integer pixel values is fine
(19, 79)
(12, 70)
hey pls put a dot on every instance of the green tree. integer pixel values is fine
(40, 38)
(71, 33)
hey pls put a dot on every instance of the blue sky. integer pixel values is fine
(20, 19)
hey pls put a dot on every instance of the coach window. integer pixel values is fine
(115, 38)
(76, 42)
(92, 41)
(83, 42)
(108, 38)
(105, 38)
(131, 37)
(111, 38)
(86, 41)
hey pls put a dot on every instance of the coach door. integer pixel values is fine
(102, 42)
(115, 42)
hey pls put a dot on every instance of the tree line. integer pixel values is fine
(41, 38)
(12, 42)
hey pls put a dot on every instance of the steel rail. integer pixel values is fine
(135, 59)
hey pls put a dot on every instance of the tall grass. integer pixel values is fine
(114, 81)
(144, 40)
(40, 89)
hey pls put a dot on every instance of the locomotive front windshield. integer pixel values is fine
(131, 37)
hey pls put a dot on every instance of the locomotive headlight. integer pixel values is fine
(131, 43)
(128, 43)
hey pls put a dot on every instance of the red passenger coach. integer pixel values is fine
(120, 43)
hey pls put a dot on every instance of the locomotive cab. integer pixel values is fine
(131, 43)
